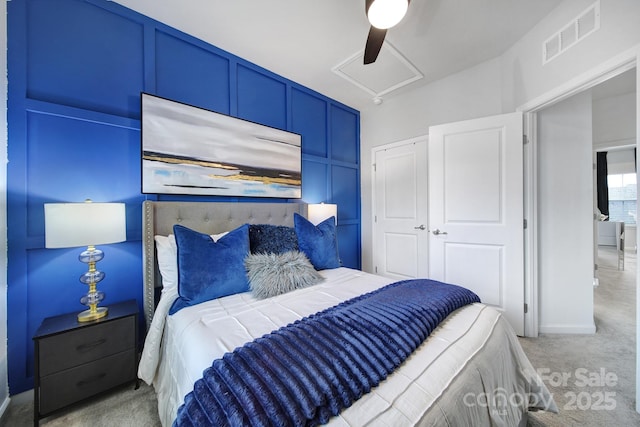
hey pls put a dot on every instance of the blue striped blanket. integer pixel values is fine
(308, 371)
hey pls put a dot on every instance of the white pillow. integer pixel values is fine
(167, 255)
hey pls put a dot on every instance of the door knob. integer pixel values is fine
(437, 232)
(420, 227)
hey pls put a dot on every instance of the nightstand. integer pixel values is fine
(75, 361)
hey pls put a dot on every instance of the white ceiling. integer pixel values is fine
(304, 40)
(621, 84)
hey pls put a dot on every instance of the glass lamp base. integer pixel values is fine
(88, 315)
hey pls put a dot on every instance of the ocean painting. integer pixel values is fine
(190, 150)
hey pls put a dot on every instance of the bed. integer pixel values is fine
(471, 370)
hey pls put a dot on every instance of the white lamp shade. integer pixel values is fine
(69, 225)
(321, 211)
(385, 14)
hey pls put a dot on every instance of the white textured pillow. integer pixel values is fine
(273, 274)
(167, 255)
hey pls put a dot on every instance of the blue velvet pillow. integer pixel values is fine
(319, 243)
(272, 239)
(208, 269)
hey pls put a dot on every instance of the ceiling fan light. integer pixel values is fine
(385, 14)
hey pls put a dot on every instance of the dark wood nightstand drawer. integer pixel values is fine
(72, 385)
(63, 351)
(77, 360)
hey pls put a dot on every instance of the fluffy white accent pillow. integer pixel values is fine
(273, 274)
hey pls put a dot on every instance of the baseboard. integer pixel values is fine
(3, 408)
(16, 399)
(567, 329)
(24, 397)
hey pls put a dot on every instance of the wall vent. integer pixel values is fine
(586, 23)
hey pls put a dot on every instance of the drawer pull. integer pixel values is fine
(91, 345)
(91, 380)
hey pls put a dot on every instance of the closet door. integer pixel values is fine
(400, 210)
(476, 211)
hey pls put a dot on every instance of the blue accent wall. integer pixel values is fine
(76, 71)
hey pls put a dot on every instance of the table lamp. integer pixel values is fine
(318, 212)
(69, 225)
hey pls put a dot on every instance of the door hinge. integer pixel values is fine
(375, 169)
(524, 223)
(595, 267)
(375, 218)
(376, 268)
(526, 308)
(525, 140)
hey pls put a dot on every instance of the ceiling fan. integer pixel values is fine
(382, 14)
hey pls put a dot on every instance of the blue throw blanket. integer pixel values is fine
(307, 372)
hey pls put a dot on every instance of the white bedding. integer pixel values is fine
(473, 355)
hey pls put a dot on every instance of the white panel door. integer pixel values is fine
(400, 211)
(476, 210)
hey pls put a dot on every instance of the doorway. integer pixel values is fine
(567, 134)
(590, 80)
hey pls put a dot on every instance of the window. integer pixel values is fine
(622, 197)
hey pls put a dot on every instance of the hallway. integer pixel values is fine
(592, 377)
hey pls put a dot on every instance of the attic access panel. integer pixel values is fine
(390, 72)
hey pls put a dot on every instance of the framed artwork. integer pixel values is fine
(191, 150)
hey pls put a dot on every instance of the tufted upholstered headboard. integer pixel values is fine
(158, 218)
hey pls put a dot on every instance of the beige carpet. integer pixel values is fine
(587, 397)
(124, 407)
(612, 348)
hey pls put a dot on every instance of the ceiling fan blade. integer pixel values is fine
(374, 44)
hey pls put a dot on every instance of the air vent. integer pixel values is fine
(586, 23)
(589, 21)
(568, 36)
